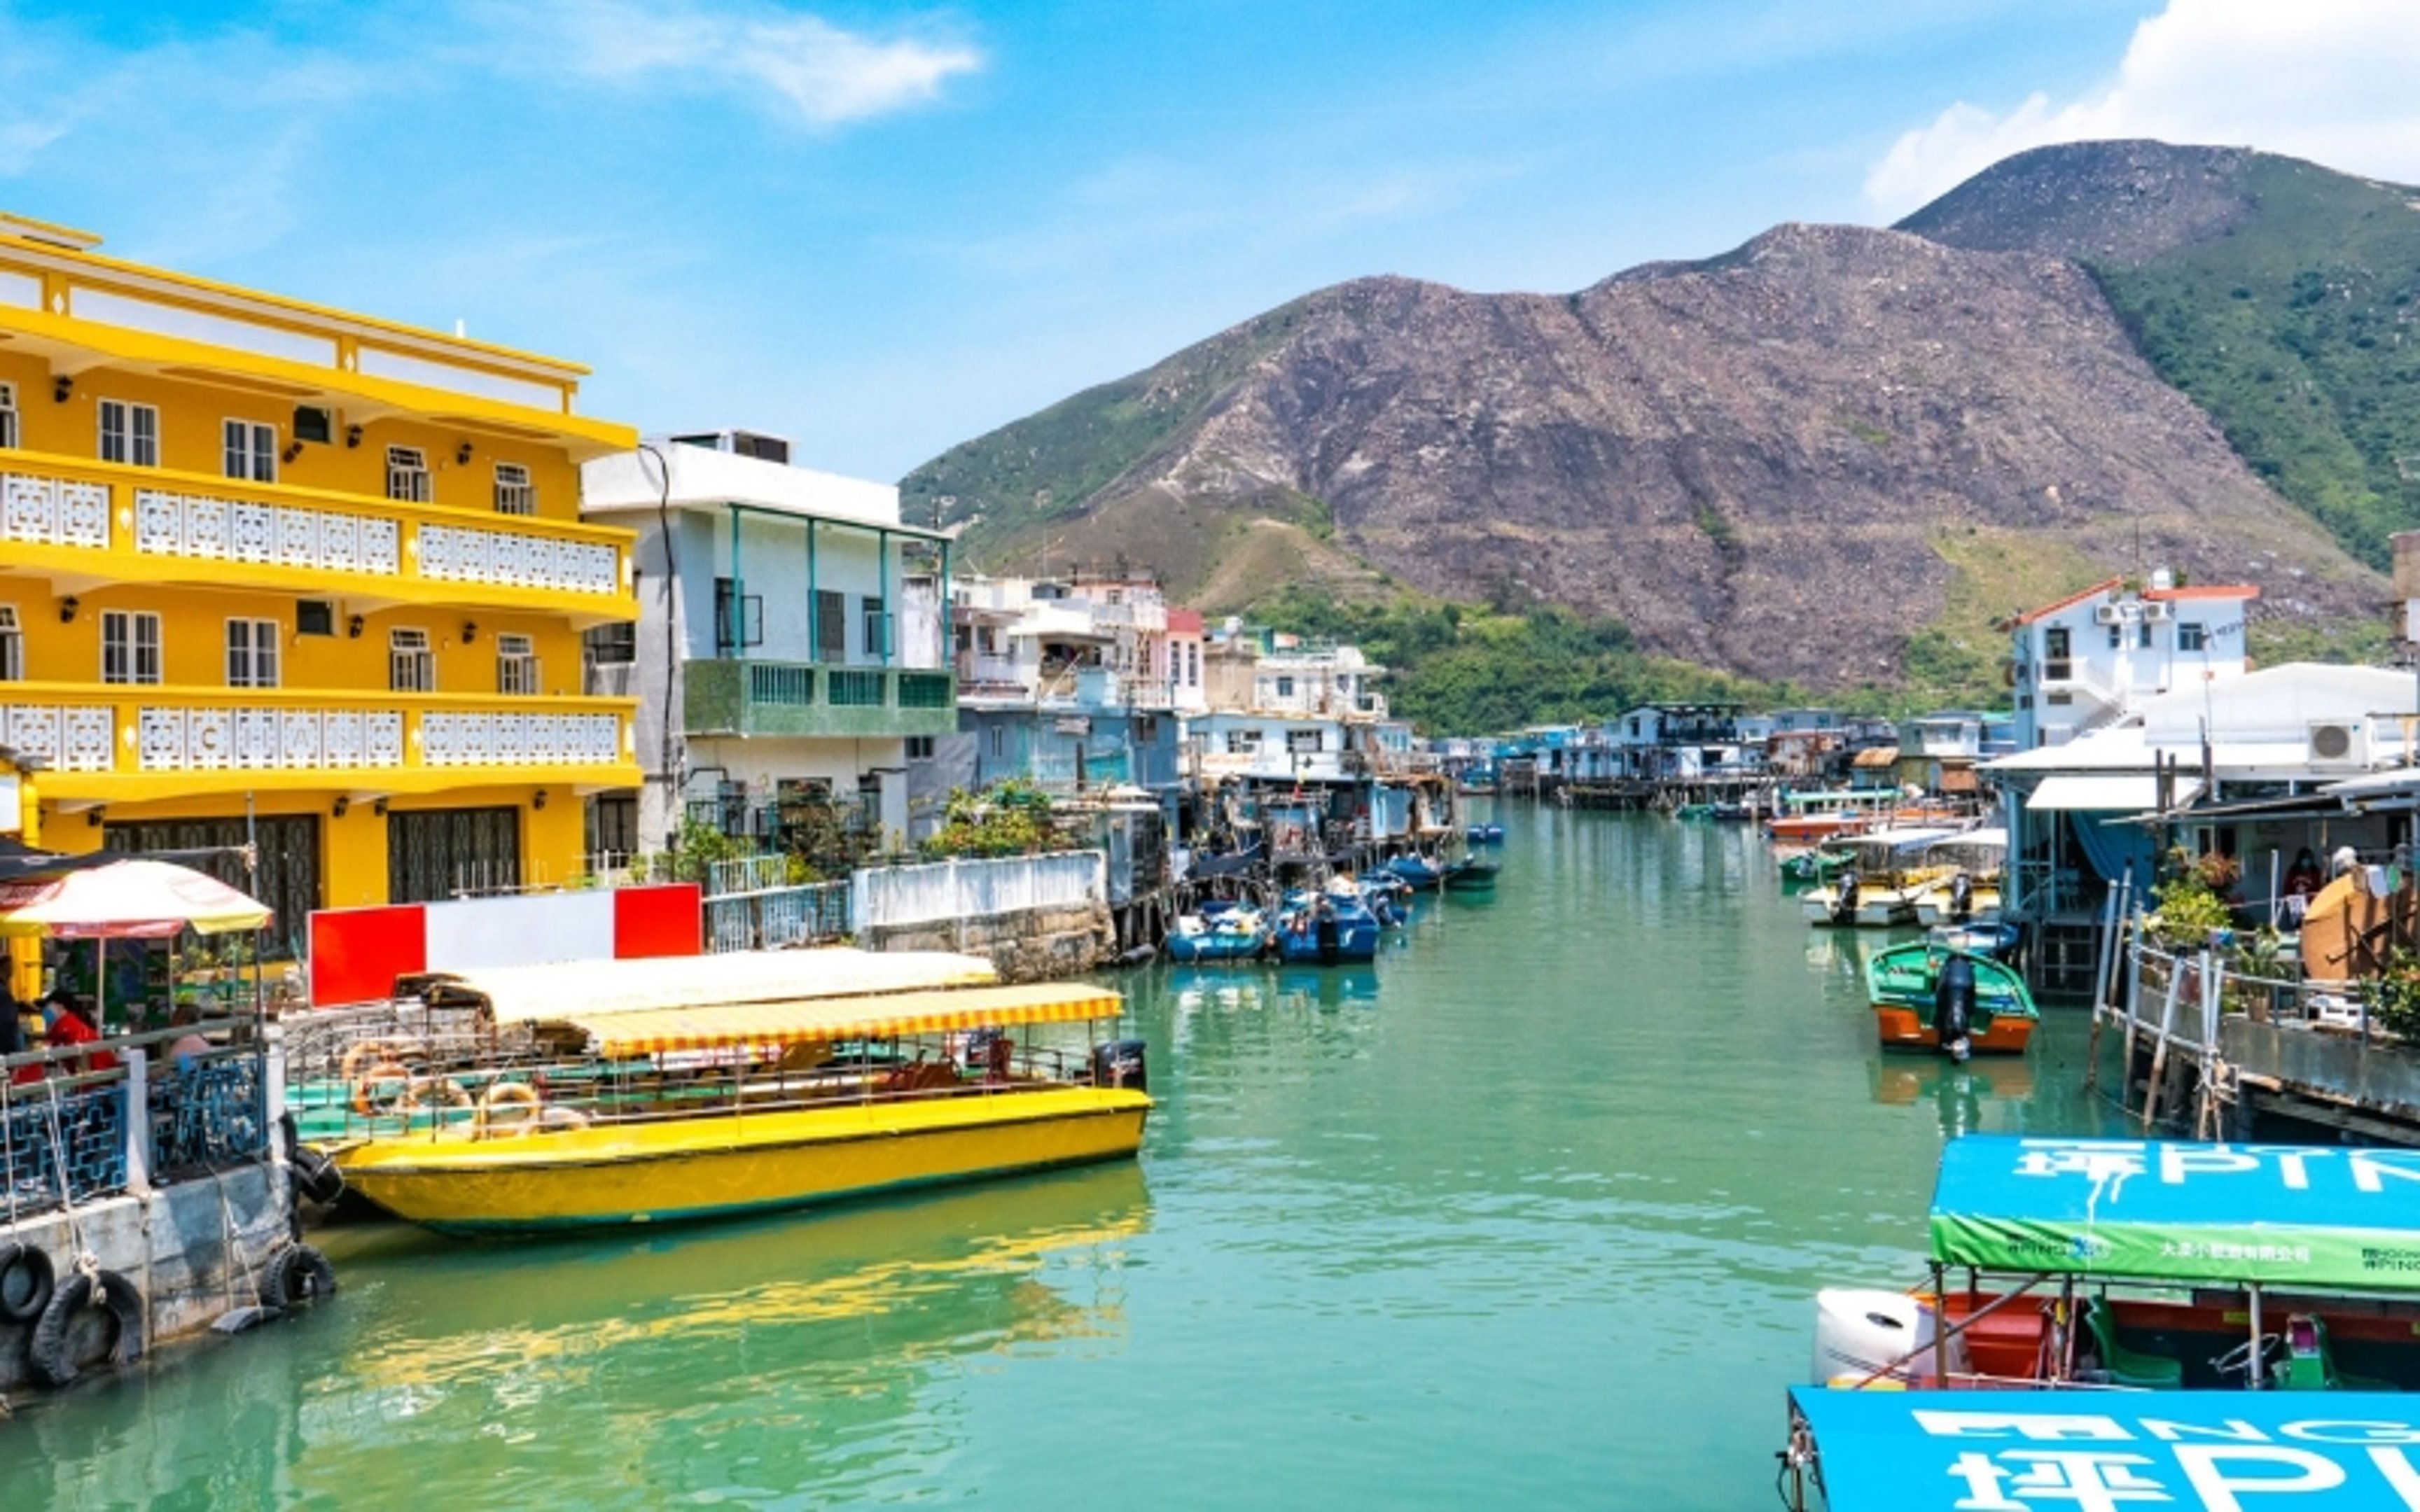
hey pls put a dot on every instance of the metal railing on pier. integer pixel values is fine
(65, 1137)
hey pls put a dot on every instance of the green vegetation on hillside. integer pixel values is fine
(2299, 331)
(1040, 468)
(1459, 670)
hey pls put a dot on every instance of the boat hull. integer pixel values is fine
(1873, 913)
(1902, 1029)
(717, 1165)
(1215, 945)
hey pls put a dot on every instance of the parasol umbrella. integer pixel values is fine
(129, 900)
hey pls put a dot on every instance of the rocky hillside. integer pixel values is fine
(1817, 456)
(2280, 296)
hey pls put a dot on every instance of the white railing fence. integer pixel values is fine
(977, 890)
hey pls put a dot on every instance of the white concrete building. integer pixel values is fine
(791, 642)
(2082, 663)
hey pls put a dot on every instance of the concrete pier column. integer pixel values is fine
(138, 1123)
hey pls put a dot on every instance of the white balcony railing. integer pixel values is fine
(149, 737)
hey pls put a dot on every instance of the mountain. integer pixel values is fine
(2279, 295)
(1832, 455)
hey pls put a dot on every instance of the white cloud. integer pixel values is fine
(802, 65)
(2328, 79)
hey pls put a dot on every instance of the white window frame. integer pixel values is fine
(2192, 638)
(131, 638)
(408, 648)
(248, 450)
(127, 436)
(1243, 742)
(8, 415)
(1305, 742)
(408, 478)
(517, 669)
(253, 652)
(12, 646)
(919, 748)
(515, 493)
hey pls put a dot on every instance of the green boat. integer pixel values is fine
(1901, 981)
(1816, 865)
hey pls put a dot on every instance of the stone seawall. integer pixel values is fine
(1031, 945)
(194, 1250)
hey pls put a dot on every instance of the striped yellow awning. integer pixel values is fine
(820, 1020)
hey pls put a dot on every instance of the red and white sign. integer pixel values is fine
(357, 953)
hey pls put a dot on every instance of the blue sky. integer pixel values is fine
(882, 230)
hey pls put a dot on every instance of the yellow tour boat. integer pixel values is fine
(662, 1115)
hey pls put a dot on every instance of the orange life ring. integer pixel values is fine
(432, 1092)
(368, 1103)
(512, 1103)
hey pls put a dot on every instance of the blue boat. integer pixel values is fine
(1485, 834)
(1232, 934)
(1327, 926)
(1418, 871)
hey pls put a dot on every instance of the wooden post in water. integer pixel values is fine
(2160, 1046)
(2104, 980)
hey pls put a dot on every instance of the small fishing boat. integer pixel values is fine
(1485, 834)
(1418, 872)
(1694, 813)
(1811, 818)
(1472, 876)
(1233, 933)
(1821, 863)
(1879, 887)
(2207, 1319)
(658, 1116)
(1905, 986)
(1967, 891)
(1325, 925)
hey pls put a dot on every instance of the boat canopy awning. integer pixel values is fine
(2277, 1215)
(1874, 757)
(591, 989)
(2104, 792)
(1935, 1450)
(825, 1020)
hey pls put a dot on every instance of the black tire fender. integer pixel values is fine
(25, 1283)
(48, 1350)
(315, 1176)
(295, 1275)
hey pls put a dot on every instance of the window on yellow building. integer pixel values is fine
(515, 494)
(516, 663)
(7, 414)
(251, 451)
(252, 653)
(410, 667)
(130, 646)
(129, 433)
(406, 475)
(12, 646)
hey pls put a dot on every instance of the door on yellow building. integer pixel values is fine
(289, 875)
(436, 854)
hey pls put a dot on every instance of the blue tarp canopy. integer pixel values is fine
(2218, 1451)
(2310, 1217)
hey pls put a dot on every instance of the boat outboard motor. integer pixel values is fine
(1961, 898)
(1953, 1006)
(1844, 904)
(1120, 1063)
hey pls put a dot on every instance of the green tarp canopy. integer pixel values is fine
(2279, 1216)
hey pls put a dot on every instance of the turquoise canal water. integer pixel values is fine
(1528, 1214)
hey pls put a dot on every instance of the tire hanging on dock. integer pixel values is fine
(315, 1177)
(51, 1348)
(25, 1283)
(294, 1275)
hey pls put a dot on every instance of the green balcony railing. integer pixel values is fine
(726, 696)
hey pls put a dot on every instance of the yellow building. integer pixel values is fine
(276, 569)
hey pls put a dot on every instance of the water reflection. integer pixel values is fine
(745, 1359)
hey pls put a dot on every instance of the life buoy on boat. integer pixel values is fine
(439, 1093)
(512, 1103)
(53, 1349)
(371, 1094)
(551, 1119)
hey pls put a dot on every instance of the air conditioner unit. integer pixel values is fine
(2338, 744)
(2156, 612)
(2108, 614)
